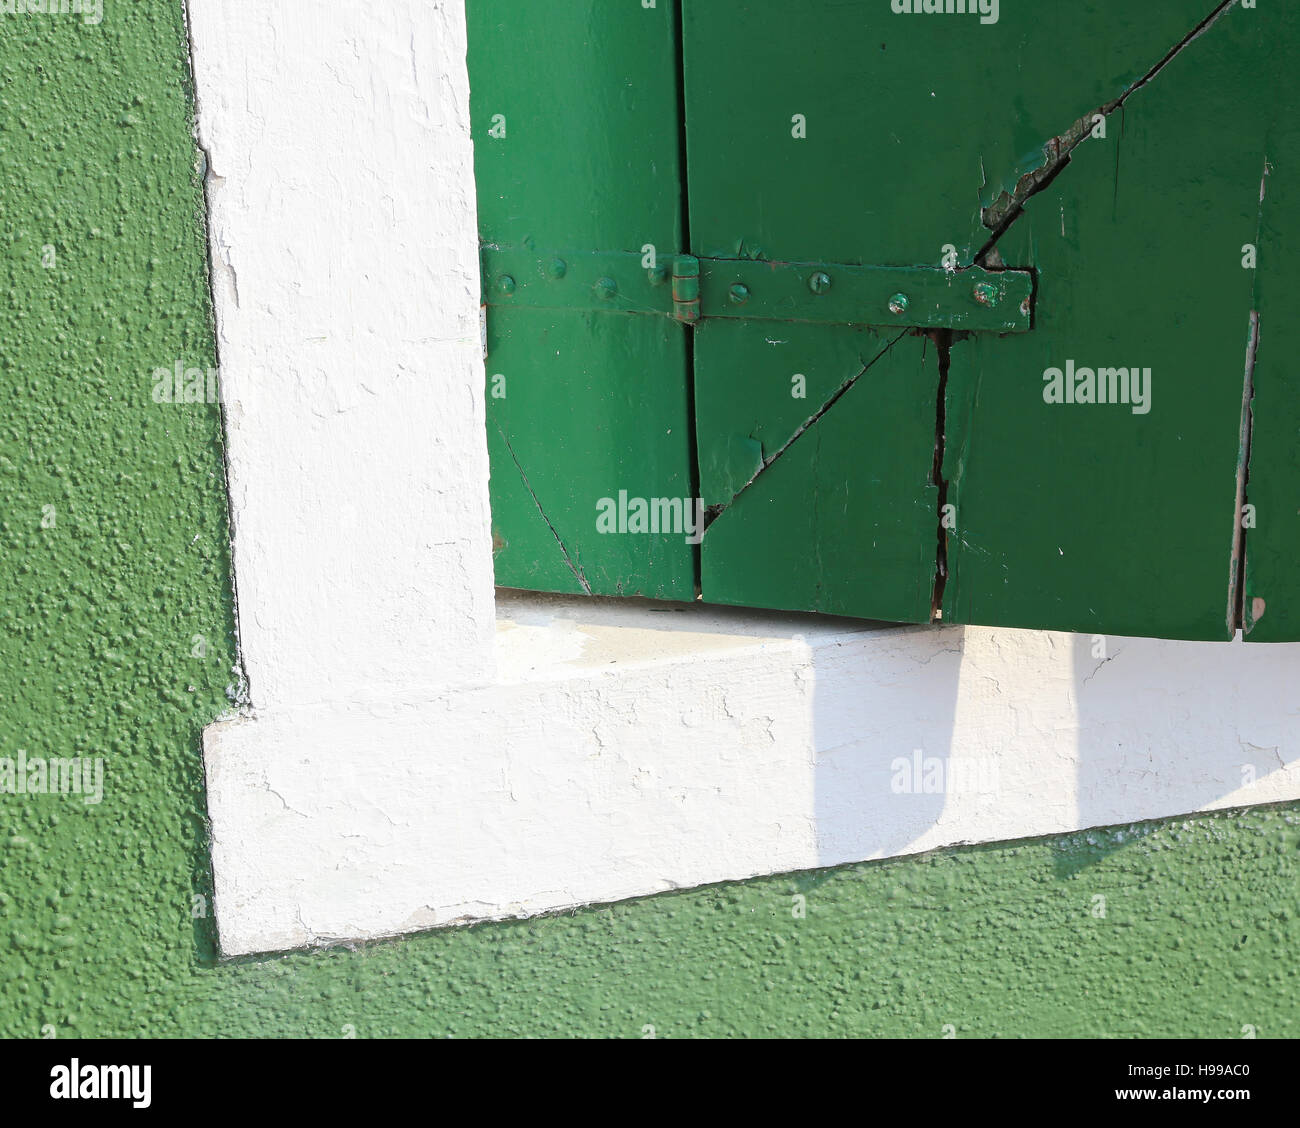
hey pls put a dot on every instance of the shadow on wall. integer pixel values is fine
(884, 719)
(1180, 725)
(920, 737)
(980, 734)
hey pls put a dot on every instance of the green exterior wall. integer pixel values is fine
(97, 622)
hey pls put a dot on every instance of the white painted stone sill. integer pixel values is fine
(627, 748)
(552, 637)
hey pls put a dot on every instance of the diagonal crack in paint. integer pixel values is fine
(577, 573)
(715, 511)
(1009, 206)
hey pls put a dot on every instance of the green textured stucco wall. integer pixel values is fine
(98, 615)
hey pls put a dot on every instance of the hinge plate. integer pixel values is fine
(690, 289)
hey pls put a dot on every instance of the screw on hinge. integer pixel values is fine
(986, 294)
(739, 293)
(819, 282)
(606, 288)
(898, 304)
(506, 284)
(558, 268)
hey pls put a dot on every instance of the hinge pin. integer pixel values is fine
(686, 288)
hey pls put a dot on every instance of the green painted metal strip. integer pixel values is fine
(821, 293)
(909, 297)
(604, 280)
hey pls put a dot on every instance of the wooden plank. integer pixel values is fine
(881, 139)
(828, 503)
(913, 122)
(596, 405)
(576, 141)
(1119, 517)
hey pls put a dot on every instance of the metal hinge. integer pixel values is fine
(973, 299)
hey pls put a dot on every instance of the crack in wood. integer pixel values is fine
(715, 511)
(577, 573)
(1009, 206)
(943, 341)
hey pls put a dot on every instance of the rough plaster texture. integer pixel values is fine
(101, 934)
(386, 780)
(349, 344)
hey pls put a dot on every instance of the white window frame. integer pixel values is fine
(413, 757)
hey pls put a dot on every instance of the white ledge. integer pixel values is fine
(630, 750)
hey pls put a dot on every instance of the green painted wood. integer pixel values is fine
(596, 404)
(912, 121)
(576, 144)
(1091, 517)
(1272, 546)
(823, 509)
(829, 194)
(871, 138)
(882, 139)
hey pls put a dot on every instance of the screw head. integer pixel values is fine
(898, 304)
(606, 288)
(740, 293)
(506, 284)
(986, 293)
(558, 268)
(658, 275)
(819, 282)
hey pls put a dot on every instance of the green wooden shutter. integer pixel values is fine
(903, 225)
(576, 131)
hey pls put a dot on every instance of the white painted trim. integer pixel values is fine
(409, 762)
(342, 228)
